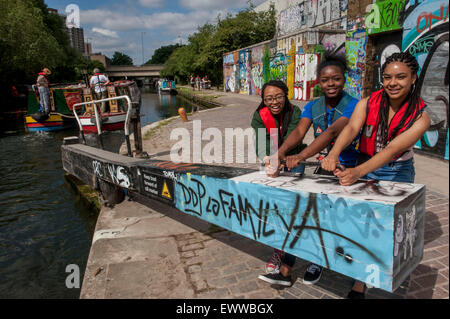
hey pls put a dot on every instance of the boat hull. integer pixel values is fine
(109, 122)
(55, 122)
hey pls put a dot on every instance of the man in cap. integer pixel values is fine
(98, 82)
(43, 87)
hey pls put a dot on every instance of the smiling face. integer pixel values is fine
(397, 80)
(331, 81)
(274, 98)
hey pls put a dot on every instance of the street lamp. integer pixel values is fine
(142, 40)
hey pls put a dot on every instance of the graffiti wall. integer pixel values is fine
(425, 35)
(244, 71)
(384, 16)
(305, 76)
(231, 72)
(355, 52)
(347, 229)
(310, 14)
(278, 67)
(372, 231)
(257, 70)
(333, 43)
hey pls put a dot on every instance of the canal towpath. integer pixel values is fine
(155, 251)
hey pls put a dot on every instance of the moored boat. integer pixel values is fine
(60, 117)
(91, 121)
(167, 87)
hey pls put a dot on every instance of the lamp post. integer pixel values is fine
(142, 40)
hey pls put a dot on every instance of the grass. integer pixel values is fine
(160, 124)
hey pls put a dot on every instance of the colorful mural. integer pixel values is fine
(230, 72)
(355, 51)
(305, 76)
(310, 14)
(331, 225)
(278, 67)
(425, 35)
(384, 16)
(244, 71)
(417, 26)
(257, 71)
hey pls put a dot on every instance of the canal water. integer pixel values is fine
(44, 225)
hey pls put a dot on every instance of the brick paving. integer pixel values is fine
(221, 264)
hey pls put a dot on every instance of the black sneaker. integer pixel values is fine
(277, 279)
(312, 274)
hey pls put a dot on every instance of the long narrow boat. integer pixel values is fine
(62, 99)
(114, 119)
(167, 87)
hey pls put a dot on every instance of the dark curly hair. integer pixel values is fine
(288, 108)
(413, 98)
(332, 59)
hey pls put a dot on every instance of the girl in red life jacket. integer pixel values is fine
(391, 121)
(274, 119)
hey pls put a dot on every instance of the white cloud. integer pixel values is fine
(106, 32)
(214, 4)
(151, 3)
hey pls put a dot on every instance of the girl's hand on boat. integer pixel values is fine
(272, 165)
(348, 176)
(293, 160)
(329, 162)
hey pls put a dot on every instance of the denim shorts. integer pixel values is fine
(395, 171)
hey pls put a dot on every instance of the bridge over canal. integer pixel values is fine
(144, 74)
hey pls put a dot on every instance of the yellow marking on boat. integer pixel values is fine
(52, 117)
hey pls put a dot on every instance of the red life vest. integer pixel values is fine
(369, 133)
(271, 125)
(45, 77)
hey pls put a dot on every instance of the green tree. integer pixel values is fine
(161, 55)
(120, 58)
(205, 49)
(32, 38)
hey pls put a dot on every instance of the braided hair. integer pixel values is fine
(413, 98)
(288, 109)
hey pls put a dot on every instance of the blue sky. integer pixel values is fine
(118, 25)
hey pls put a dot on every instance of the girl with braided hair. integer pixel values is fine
(390, 121)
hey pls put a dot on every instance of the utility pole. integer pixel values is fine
(142, 40)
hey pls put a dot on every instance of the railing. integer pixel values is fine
(97, 118)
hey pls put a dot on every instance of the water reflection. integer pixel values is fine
(44, 226)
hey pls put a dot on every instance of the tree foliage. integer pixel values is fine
(120, 58)
(205, 50)
(31, 38)
(161, 55)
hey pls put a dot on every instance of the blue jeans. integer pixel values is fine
(44, 96)
(395, 171)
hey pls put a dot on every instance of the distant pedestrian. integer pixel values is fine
(192, 81)
(98, 82)
(198, 82)
(43, 85)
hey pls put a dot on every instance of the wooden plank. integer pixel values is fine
(87, 97)
(113, 106)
